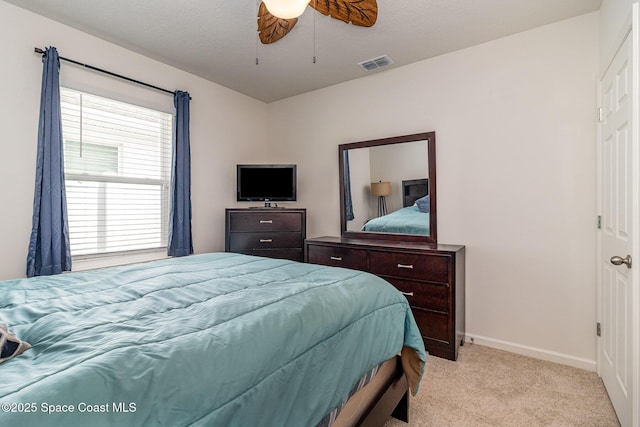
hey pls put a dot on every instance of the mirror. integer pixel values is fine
(388, 188)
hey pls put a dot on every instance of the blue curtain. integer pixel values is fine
(180, 243)
(347, 187)
(49, 250)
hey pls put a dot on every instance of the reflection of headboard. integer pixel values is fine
(413, 189)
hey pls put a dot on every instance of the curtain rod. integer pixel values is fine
(91, 67)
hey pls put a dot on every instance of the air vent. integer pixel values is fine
(375, 63)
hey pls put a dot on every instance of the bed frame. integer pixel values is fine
(389, 398)
(392, 402)
(413, 189)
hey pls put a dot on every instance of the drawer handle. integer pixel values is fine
(266, 240)
(266, 221)
(407, 266)
(408, 294)
(336, 258)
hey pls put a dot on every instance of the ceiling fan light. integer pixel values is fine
(286, 9)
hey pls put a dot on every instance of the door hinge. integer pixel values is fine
(599, 222)
(600, 114)
(598, 329)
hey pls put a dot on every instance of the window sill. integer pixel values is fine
(90, 262)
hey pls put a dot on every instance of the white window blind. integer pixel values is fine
(117, 172)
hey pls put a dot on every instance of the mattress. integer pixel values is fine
(215, 339)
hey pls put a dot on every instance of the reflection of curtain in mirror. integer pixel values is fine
(347, 188)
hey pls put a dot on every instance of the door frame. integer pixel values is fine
(631, 29)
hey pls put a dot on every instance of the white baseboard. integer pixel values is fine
(551, 356)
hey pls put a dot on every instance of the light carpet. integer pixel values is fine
(489, 387)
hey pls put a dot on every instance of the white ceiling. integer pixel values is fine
(217, 39)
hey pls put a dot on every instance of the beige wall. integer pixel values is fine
(220, 137)
(516, 135)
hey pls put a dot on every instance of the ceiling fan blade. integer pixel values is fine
(271, 28)
(363, 13)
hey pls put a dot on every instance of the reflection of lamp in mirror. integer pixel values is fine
(382, 190)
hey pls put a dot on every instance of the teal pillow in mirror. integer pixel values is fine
(10, 345)
(424, 204)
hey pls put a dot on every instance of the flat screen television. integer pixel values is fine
(266, 183)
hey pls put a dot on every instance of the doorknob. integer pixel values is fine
(616, 260)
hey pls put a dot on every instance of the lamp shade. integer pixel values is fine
(286, 9)
(381, 188)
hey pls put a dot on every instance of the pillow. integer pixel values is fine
(10, 345)
(424, 204)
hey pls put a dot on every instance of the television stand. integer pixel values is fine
(269, 232)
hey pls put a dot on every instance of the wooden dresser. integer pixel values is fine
(269, 232)
(430, 276)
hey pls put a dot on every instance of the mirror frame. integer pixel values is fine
(430, 137)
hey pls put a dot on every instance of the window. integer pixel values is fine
(117, 169)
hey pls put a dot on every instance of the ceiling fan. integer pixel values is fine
(272, 28)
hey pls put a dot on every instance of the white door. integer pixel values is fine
(616, 257)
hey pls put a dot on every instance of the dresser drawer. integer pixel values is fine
(244, 241)
(433, 268)
(432, 325)
(423, 295)
(265, 221)
(337, 256)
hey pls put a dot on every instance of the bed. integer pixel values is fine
(215, 339)
(410, 219)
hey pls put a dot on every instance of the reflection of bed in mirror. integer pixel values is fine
(411, 218)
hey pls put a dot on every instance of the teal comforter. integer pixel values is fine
(208, 340)
(407, 220)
